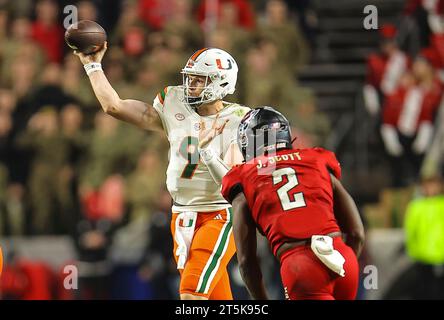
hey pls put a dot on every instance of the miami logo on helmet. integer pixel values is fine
(219, 65)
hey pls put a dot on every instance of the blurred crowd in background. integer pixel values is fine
(66, 168)
(403, 95)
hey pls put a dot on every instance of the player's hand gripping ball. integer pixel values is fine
(86, 37)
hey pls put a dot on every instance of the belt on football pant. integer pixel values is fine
(299, 243)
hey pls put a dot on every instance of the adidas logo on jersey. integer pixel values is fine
(218, 217)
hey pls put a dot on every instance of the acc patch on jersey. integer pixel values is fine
(241, 112)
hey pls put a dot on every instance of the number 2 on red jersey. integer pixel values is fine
(283, 192)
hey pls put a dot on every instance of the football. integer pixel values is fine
(85, 36)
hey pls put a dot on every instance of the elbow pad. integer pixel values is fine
(216, 166)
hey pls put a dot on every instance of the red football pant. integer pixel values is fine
(305, 277)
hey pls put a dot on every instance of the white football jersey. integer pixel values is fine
(188, 180)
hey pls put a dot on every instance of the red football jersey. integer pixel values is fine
(289, 194)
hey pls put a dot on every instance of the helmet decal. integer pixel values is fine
(197, 54)
(219, 65)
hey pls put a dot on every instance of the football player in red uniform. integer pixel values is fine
(295, 199)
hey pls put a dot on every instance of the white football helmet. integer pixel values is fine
(220, 70)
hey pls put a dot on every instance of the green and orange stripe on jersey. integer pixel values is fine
(162, 94)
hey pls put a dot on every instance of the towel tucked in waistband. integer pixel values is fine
(322, 247)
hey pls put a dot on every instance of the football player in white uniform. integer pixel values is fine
(201, 129)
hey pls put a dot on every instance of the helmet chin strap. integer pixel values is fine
(193, 102)
(197, 102)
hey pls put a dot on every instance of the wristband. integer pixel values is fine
(92, 67)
